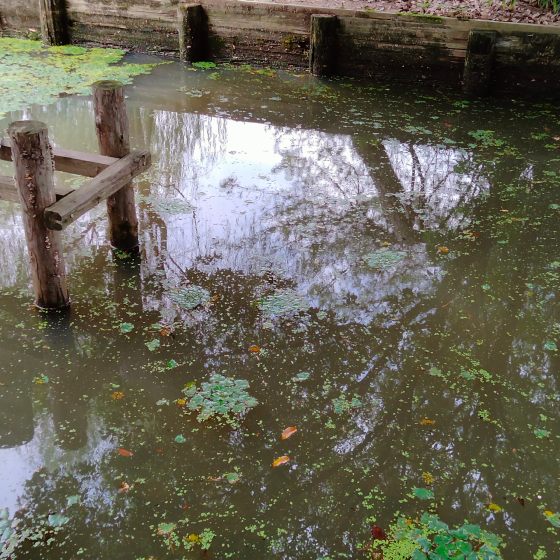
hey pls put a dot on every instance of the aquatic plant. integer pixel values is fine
(33, 74)
(190, 297)
(430, 538)
(282, 303)
(221, 397)
(383, 259)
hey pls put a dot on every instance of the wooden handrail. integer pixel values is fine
(69, 161)
(108, 182)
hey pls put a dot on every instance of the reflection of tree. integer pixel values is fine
(375, 334)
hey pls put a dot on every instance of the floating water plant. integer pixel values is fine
(221, 397)
(33, 74)
(282, 303)
(171, 206)
(383, 259)
(432, 538)
(190, 297)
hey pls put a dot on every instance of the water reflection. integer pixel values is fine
(253, 192)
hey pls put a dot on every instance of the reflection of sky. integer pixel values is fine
(266, 197)
(20, 463)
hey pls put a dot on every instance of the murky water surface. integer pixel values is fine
(380, 265)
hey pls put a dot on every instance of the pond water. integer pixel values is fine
(382, 267)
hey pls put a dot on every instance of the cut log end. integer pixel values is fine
(26, 128)
(107, 85)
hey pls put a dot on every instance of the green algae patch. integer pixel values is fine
(384, 258)
(33, 74)
(282, 303)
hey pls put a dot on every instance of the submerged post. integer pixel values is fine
(479, 62)
(193, 33)
(323, 44)
(54, 22)
(32, 156)
(111, 124)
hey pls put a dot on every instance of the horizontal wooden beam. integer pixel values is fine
(69, 161)
(9, 192)
(107, 183)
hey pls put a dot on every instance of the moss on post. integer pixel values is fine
(323, 45)
(479, 62)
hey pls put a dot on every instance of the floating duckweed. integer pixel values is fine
(33, 74)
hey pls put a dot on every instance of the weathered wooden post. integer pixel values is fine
(111, 124)
(323, 44)
(479, 62)
(54, 22)
(34, 174)
(193, 33)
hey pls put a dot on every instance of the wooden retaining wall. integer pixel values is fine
(380, 46)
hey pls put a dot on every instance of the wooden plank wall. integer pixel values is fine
(18, 15)
(374, 45)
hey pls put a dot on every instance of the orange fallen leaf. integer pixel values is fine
(181, 402)
(124, 452)
(443, 250)
(288, 432)
(117, 395)
(165, 331)
(427, 422)
(281, 461)
(254, 349)
(124, 487)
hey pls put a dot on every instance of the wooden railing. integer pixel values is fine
(47, 208)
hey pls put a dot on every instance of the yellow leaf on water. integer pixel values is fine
(288, 432)
(254, 349)
(281, 461)
(443, 250)
(193, 538)
(181, 402)
(427, 478)
(117, 395)
(427, 422)
(495, 508)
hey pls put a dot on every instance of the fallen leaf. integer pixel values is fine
(117, 395)
(288, 432)
(165, 331)
(427, 478)
(124, 452)
(443, 250)
(254, 349)
(427, 422)
(181, 402)
(378, 533)
(166, 528)
(494, 508)
(281, 461)
(124, 487)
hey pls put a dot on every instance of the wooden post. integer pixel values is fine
(32, 156)
(479, 62)
(111, 124)
(54, 22)
(323, 45)
(193, 33)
